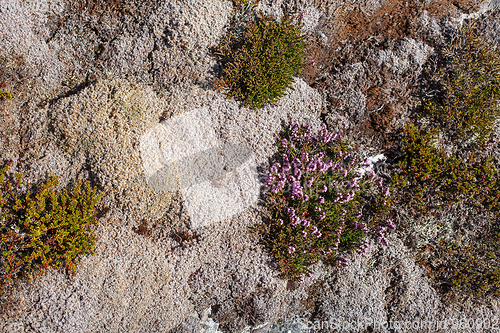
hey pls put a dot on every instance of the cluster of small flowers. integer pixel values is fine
(381, 235)
(315, 199)
(342, 262)
(364, 246)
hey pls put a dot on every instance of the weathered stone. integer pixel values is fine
(61, 66)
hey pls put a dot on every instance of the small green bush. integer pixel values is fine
(466, 189)
(43, 229)
(319, 201)
(432, 179)
(259, 65)
(5, 95)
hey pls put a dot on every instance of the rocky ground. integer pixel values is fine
(90, 79)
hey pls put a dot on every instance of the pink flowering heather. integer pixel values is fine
(319, 203)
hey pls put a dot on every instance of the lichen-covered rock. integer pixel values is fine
(89, 80)
(386, 287)
(22, 40)
(150, 277)
(104, 123)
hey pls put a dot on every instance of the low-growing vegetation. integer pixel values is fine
(241, 4)
(466, 105)
(259, 63)
(448, 168)
(42, 228)
(322, 201)
(5, 95)
(433, 179)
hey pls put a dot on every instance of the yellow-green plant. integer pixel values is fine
(5, 95)
(259, 65)
(42, 228)
(432, 179)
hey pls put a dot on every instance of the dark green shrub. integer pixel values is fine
(466, 105)
(43, 229)
(320, 204)
(259, 65)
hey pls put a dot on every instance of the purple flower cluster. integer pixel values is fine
(381, 234)
(314, 197)
(364, 246)
(342, 262)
